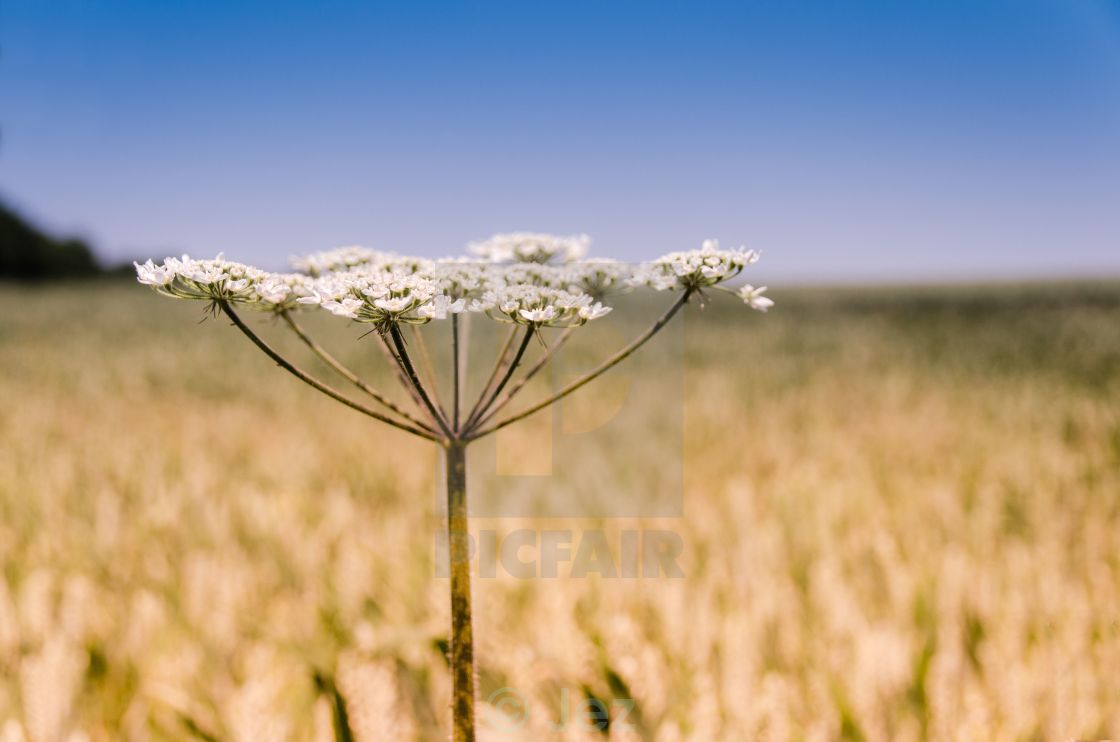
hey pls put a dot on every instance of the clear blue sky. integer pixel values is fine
(848, 140)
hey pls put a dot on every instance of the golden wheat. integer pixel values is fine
(900, 519)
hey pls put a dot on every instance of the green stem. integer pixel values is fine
(498, 363)
(457, 372)
(608, 364)
(428, 369)
(533, 370)
(410, 372)
(462, 635)
(347, 374)
(482, 410)
(395, 364)
(312, 381)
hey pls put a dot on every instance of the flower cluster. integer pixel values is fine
(375, 296)
(385, 289)
(186, 278)
(754, 298)
(599, 277)
(354, 256)
(697, 269)
(462, 278)
(531, 247)
(281, 291)
(528, 304)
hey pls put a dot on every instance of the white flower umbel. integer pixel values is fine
(529, 282)
(697, 269)
(349, 258)
(531, 247)
(217, 279)
(599, 277)
(528, 304)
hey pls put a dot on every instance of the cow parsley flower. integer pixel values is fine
(532, 281)
(281, 291)
(594, 311)
(696, 269)
(187, 278)
(529, 279)
(462, 278)
(539, 316)
(754, 299)
(336, 259)
(599, 277)
(347, 307)
(154, 275)
(539, 305)
(441, 306)
(531, 247)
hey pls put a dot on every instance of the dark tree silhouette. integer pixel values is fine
(28, 254)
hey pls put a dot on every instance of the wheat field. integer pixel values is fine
(901, 511)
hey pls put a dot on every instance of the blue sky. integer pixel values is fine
(847, 140)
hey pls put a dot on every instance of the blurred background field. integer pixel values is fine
(901, 512)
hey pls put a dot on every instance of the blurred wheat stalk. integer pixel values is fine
(920, 544)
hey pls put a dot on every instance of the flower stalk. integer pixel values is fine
(511, 368)
(347, 374)
(456, 371)
(462, 631)
(528, 375)
(315, 383)
(414, 380)
(495, 372)
(590, 376)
